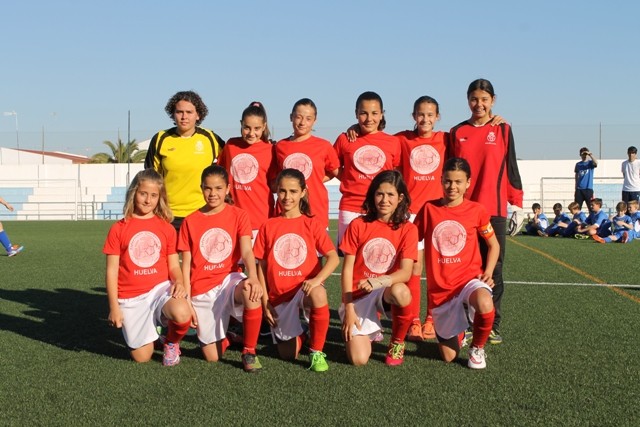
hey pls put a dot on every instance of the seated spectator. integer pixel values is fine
(538, 223)
(577, 218)
(621, 226)
(560, 223)
(597, 222)
(635, 218)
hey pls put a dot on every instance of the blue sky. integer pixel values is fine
(559, 68)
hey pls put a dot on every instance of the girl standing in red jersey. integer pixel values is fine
(144, 282)
(379, 249)
(251, 165)
(313, 156)
(372, 151)
(451, 228)
(287, 249)
(490, 151)
(212, 240)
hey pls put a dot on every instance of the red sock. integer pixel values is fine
(318, 327)
(177, 331)
(482, 324)
(460, 338)
(401, 318)
(414, 287)
(251, 319)
(224, 344)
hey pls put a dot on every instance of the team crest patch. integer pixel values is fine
(491, 138)
(424, 159)
(216, 245)
(449, 238)
(301, 162)
(144, 249)
(199, 147)
(379, 255)
(244, 168)
(369, 159)
(290, 251)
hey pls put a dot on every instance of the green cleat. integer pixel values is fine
(318, 362)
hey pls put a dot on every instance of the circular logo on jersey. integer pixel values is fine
(301, 162)
(244, 168)
(449, 238)
(290, 251)
(216, 245)
(369, 159)
(144, 249)
(491, 138)
(424, 159)
(379, 255)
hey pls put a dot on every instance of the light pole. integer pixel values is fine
(14, 114)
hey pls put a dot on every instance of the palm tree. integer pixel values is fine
(120, 153)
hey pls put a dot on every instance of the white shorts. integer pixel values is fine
(214, 308)
(367, 309)
(412, 218)
(449, 319)
(289, 318)
(142, 314)
(344, 219)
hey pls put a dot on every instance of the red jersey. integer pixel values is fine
(291, 247)
(315, 158)
(378, 248)
(490, 151)
(361, 161)
(143, 246)
(213, 241)
(251, 168)
(421, 165)
(452, 251)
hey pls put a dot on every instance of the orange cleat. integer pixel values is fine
(428, 332)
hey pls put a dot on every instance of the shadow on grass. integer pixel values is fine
(66, 318)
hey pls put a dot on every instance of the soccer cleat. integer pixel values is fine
(598, 239)
(428, 331)
(395, 355)
(415, 332)
(171, 354)
(542, 233)
(625, 237)
(234, 334)
(494, 337)
(378, 337)
(251, 363)
(318, 362)
(15, 250)
(477, 358)
(581, 236)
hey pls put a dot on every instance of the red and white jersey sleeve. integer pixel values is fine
(361, 161)
(291, 248)
(378, 248)
(452, 252)
(143, 246)
(421, 165)
(251, 168)
(315, 158)
(213, 241)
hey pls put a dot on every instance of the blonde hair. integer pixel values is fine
(162, 210)
(633, 203)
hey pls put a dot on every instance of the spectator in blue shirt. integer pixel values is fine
(584, 177)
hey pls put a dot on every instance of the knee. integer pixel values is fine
(401, 294)
(318, 297)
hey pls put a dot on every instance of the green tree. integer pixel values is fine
(120, 153)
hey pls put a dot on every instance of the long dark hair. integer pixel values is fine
(257, 109)
(401, 214)
(305, 207)
(222, 173)
(372, 96)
